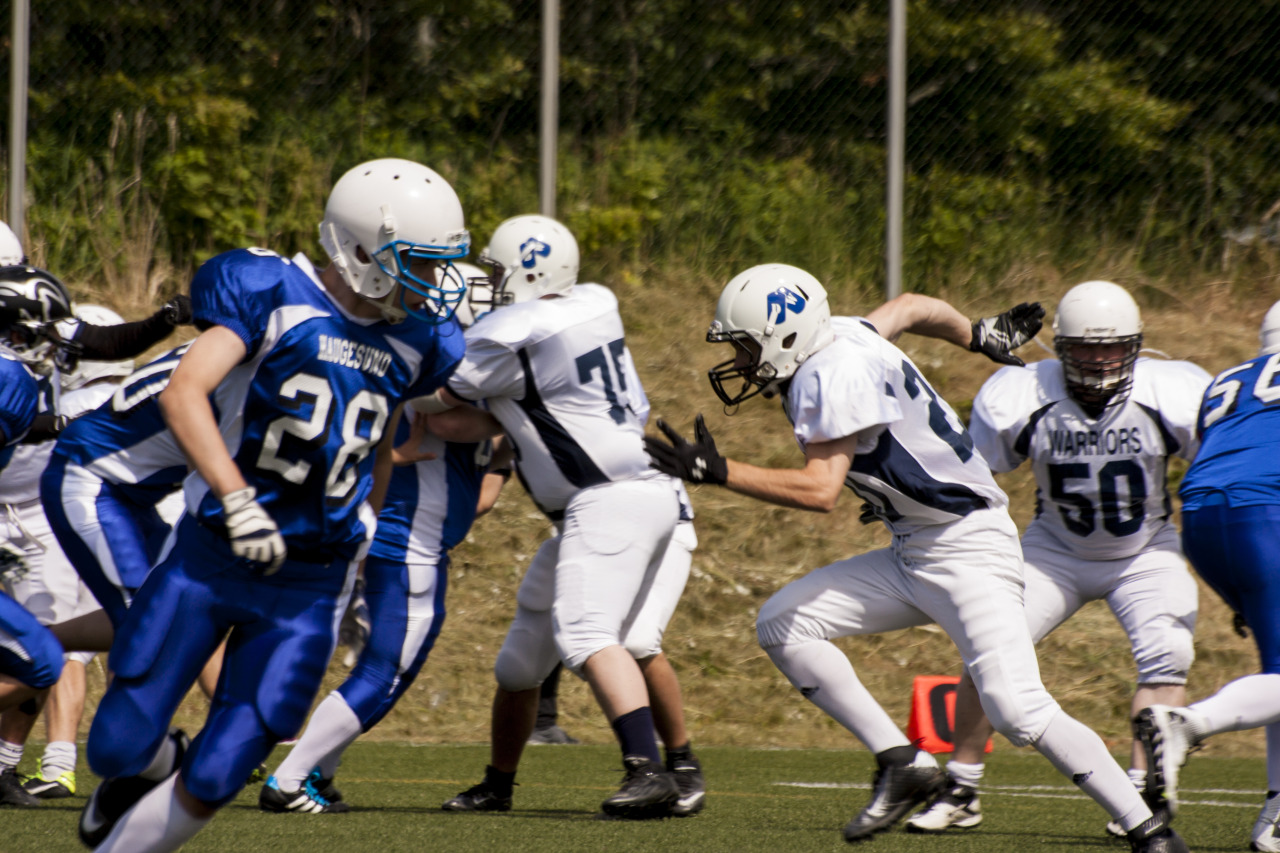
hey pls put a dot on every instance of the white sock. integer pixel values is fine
(10, 754)
(1081, 756)
(162, 762)
(969, 775)
(59, 757)
(1245, 703)
(332, 728)
(825, 677)
(1273, 757)
(1138, 778)
(157, 823)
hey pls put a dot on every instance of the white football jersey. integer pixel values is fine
(1100, 484)
(915, 463)
(558, 376)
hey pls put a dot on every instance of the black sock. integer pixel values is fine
(635, 732)
(898, 756)
(499, 781)
(680, 753)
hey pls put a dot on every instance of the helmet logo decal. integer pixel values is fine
(530, 250)
(782, 299)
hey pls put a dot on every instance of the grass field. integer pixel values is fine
(759, 800)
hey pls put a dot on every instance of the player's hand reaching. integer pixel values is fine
(996, 337)
(254, 535)
(697, 461)
(177, 311)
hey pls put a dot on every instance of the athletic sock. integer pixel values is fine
(1245, 703)
(969, 775)
(158, 822)
(1138, 778)
(897, 756)
(636, 735)
(1081, 756)
(10, 755)
(680, 753)
(332, 728)
(823, 675)
(162, 764)
(59, 757)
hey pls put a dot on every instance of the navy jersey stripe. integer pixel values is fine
(891, 462)
(574, 463)
(1022, 445)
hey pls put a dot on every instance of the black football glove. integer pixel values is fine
(996, 337)
(177, 311)
(697, 462)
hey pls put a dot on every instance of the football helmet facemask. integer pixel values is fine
(776, 316)
(1097, 333)
(1269, 334)
(30, 299)
(383, 220)
(529, 257)
(479, 293)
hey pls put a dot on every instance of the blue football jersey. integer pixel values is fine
(125, 440)
(1239, 437)
(303, 412)
(19, 398)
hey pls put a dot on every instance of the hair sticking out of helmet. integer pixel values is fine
(1269, 334)
(395, 222)
(1097, 333)
(76, 373)
(530, 257)
(776, 316)
(30, 299)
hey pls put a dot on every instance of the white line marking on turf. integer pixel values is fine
(1053, 792)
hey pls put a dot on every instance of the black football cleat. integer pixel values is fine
(895, 790)
(648, 791)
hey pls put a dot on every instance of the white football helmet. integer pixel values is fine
(76, 373)
(1097, 333)
(11, 253)
(531, 256)
(776, 316)
(384, 215)
(479, 293)
(1269, 334)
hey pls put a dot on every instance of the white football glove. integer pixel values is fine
(253, 534)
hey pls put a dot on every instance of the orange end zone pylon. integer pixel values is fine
(931, 725)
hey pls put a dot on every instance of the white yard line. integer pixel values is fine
(1053, 792)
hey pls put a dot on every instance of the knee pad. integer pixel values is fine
(1164, 653)
(528, 653)
(777, 624)
(643, 647)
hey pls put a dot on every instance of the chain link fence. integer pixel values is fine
(708, 135)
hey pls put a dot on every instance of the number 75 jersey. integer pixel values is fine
(1100, 484)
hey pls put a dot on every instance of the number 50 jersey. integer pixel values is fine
(303, 412)
(1100, 484)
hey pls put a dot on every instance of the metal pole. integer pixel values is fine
(896, 165)
(18, 117)
(549, 120)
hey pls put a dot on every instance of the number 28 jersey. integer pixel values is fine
(1100, 484)
(305, 409)
(558, 376)
(915, 463)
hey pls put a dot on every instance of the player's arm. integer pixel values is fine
(815, 487)
(995, 337)
(453, 419)
(189, 414)
(123, 340)
(410, 451)
(496, 477)
(383, 460)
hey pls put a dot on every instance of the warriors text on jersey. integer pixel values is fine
(303, 412)
(559, 378)
(1240, 433)
(915, 463)
(1100, 483)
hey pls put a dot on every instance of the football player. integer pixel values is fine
(1099, 425)
(316, 365)
(30, 657)
(1231, 534)
(865, 417)
(553, 368)
(432, 499)
(50, 587)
